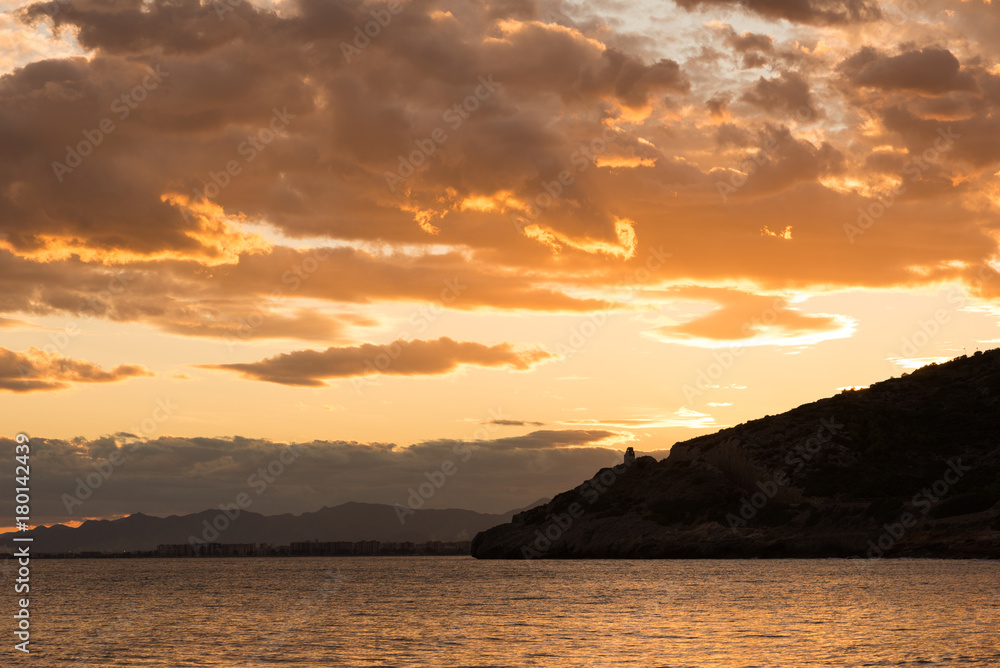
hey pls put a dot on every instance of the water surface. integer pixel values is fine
(456, 611)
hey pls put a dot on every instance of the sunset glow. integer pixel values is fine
(582, 227)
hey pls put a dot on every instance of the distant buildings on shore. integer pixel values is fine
(313, 548)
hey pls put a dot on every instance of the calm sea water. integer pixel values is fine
(456, 611)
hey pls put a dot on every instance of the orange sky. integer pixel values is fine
(548, 229)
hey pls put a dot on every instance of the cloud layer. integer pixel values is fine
(118, 475)
(531, 157)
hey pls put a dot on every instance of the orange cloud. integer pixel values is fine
(36, 370)
(748, 319)
(308, 368)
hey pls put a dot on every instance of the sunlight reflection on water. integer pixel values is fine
(455, 611)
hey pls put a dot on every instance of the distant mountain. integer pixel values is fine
(907, 467)
(539, 502)
(347, 522)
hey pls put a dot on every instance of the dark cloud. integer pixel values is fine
(514, 423)
(717, 105)
(813, 12)
(946, 107)
(974, 140)
(732, 135)
(752, 60)
(37, 370)
(929, 70)
(753, 48)
(747, 41)
(554, 438)
(779, 160)
(541, 440)
(787, 93)
(308, 368)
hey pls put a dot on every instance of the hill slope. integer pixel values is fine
(909, 466)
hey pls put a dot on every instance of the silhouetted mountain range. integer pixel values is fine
(907, 467)
(346, 522)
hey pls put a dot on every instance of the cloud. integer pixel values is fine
(514, 423)
(741, 318)
(755, 49)
(13, 323)
(747, 42)
(776, 161)
(813, 12)
(929, 70)
(558, 438)
(717, 105)
(37, 370)
(308, 368)
(786, 93)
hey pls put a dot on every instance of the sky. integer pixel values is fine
(518, 236)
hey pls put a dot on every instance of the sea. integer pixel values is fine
(457, 611)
